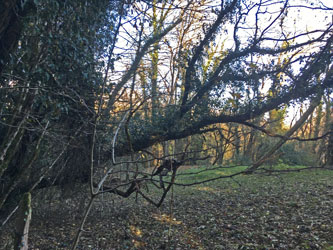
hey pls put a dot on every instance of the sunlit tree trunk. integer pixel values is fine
(317, 126)
(329, 153)
(237, 143)
(329, 127)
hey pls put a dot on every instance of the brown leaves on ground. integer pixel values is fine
(270, 213)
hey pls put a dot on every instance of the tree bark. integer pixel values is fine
(329, 153)
(22, 223)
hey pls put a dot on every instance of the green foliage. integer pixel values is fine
(54, 77)
(301, 156)
(290, 153)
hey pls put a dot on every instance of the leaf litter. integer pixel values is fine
(286, 212)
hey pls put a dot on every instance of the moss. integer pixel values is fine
(26, 203)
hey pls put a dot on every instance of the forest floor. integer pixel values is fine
(289, 211)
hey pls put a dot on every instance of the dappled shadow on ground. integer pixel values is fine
(273, 213)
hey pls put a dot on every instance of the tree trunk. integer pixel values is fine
(237, 145)
(329, 153)
(317, 127)
(22, 223)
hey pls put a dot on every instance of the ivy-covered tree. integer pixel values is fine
(49, 86)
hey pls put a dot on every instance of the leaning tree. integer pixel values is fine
(87, 87)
